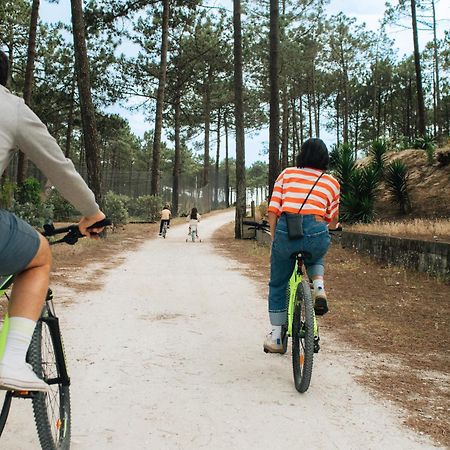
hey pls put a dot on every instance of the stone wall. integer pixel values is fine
(424, 256)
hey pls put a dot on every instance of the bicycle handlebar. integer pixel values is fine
(73, 232)
(264, 225)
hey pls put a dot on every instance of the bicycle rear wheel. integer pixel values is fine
(52, 409)
(303, 337)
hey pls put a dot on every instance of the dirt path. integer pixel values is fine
(168, 355)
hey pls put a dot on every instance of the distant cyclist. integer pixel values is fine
(308, 191)
(193, 218)
(166, 215)
(23, 251)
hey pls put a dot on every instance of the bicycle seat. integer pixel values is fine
(302, 255)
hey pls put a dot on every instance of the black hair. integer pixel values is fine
(194, 214)
(314, 154)
(4, 68)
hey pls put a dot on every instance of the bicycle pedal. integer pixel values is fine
(316, 344)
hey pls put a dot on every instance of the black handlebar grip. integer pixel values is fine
(101, 223)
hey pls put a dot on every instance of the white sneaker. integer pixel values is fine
(21, 378)
(273, 346)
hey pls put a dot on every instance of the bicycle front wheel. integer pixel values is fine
(52, 409)
(303, 337)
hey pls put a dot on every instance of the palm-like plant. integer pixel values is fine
(342, 162)
(378, 154)
(397, 183)
(357, 204)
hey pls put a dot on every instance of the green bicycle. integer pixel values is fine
(46, 355)
(302, 325)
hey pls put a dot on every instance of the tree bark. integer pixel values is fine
(156, 157)
(22, 164)
(227, 167)
(437, 91)
(216, 173)
(285, 130)
(207, 122)
(274, 68)
(177, 159)
(239, 120)
(420, 98)
(70, 118)
(90, 134)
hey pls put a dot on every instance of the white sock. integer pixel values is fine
(19, 337)
(318, 285)
(276, 332)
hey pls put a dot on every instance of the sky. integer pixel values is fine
(368, 11)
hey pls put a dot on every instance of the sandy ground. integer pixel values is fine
(168, 355)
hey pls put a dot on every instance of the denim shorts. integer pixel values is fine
(19, 243)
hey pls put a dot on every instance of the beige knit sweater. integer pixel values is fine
(21, 128)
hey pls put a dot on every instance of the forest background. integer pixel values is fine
(336, 78)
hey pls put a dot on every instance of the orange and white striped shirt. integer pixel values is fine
(292, 187)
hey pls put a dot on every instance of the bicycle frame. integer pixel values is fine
(294, 282)
(4, 331)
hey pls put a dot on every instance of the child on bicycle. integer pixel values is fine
(193, 218)
(23, 251)
(166, 214)
(306, 190)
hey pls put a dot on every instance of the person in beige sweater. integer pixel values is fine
(23, 251)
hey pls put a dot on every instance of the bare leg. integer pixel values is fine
(27, 297)
(30, 286)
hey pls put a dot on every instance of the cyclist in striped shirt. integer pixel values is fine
(297, 186)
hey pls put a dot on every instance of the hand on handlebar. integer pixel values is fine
(86, 222)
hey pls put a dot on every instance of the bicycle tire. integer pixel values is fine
(52, 409)
(5, 409)
(303, 338)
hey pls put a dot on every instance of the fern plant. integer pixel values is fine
(397, 183)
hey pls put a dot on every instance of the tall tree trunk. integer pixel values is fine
(28, 87)
(90, 135)
(437, 91)
(314, 100)
(177, 159)
(216, 173)
(338, 112)
(295, 145)
(227, 167)
(207, 122)
(310, 131)
(420, 98)
(156, 157)
(274, 68)
(285, 130)
(356, 131)
(239, 121)
(70, 117)
(300, 114)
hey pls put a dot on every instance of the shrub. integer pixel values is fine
(428, 144)
(35, 214)
(114, 208)
(62, 209)
(148, 207)
(29, 192)
(443, 158)
(397, 184)
(7, 194)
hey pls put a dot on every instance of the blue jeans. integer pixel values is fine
(314, 244)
